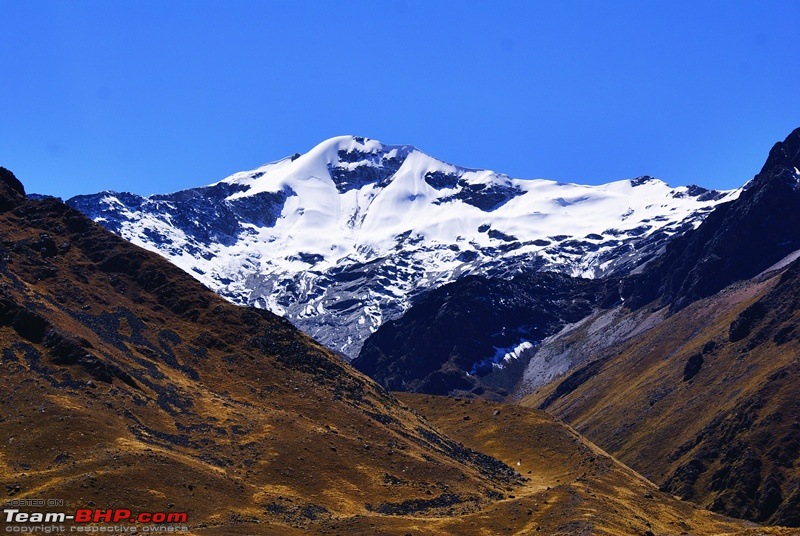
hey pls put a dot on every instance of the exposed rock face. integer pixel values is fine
(476, 334)
(738, 240)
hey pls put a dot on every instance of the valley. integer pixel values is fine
(400, 268)
(657, 398)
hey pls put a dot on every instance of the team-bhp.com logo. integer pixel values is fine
(86, 519)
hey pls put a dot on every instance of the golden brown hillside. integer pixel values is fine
(126, 384)
(703, 402)
(573, 487)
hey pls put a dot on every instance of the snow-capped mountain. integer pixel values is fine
(346, 236)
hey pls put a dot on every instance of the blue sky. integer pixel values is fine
(157, 96)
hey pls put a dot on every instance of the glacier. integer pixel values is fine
(348, 235)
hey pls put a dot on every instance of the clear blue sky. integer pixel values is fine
(150, 96)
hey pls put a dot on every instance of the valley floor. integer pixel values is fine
(572, 487)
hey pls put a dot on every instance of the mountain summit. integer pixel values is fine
(345, 237)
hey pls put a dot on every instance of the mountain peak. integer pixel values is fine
(338, 148)
(644, 179)
(347, 142)
(11, 189)
(785, 153)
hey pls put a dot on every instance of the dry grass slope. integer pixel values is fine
(704, 402)
(126, 384)
(573, 487)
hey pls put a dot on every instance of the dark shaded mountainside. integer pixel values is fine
(737, 240)
(127, 384)
(453, 339)
(687, 370)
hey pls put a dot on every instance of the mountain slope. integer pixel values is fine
(701, 394)
(126, 384)
(573, 487)
(703, 401)
(345, 237)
